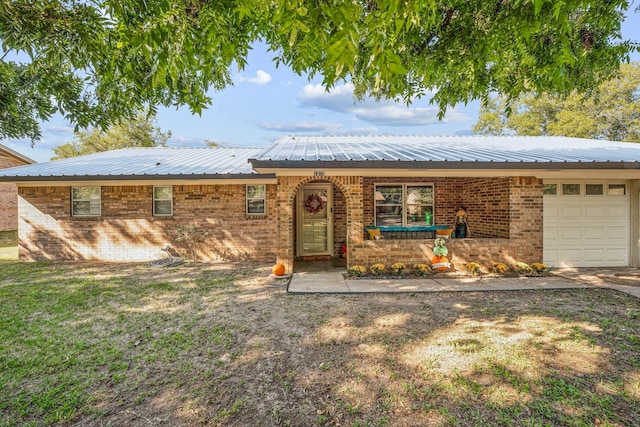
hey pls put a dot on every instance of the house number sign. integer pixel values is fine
(318, 173)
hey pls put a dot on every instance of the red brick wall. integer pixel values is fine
(128, 231)
(486, 199)
(505, 219)
(8, 198)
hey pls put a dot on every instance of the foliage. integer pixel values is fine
(397, 267)
(98, 62)
(357, 270)
(377, 269)
(612, 112)
(522, 268)
(138, 132)
(499, 268)
(539, 268)
(473, 268)
(422, 269)
(192, 235)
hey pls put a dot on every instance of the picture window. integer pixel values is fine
(405, 205)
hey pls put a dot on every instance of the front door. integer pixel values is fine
(315, 220)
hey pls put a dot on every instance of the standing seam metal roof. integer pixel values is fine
(409, 148)
(145, 162)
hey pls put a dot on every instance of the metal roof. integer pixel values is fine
(499, 151)
(142, 163)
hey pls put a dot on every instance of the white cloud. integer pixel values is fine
(384, 112)
(304, 126)
(261, 78)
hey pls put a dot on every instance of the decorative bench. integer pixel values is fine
(405, 233)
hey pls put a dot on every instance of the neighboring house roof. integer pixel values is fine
(404, 151)
(8, 152)
(142, 164)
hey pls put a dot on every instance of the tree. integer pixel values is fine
(98, 61)
(613, 112)
(139, 132)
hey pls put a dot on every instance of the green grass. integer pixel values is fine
(221, 344)
(9, 245)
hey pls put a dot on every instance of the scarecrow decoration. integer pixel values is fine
(460, 225)
(440, 262)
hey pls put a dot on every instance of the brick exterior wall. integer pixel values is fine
(8, 198)
(128, 231)
(505, 219)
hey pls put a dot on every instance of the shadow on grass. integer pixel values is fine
(222, 344)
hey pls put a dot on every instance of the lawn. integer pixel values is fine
(9, 245)
(222, 344)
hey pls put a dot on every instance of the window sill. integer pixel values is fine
(87, 218)
(163, 218)
(250, 217)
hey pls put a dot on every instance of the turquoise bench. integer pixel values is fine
(415, 232)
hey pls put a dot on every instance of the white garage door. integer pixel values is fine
(586, 224)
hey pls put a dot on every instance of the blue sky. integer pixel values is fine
(266, 103)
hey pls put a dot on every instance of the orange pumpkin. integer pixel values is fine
(440, 263)
(278, 270)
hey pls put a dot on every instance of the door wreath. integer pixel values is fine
(313, 204)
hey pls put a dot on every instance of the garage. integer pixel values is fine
(586, 223)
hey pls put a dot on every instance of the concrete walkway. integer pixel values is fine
(332, 281)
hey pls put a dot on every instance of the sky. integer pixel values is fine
(266, 103)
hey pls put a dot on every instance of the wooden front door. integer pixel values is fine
(315, 220)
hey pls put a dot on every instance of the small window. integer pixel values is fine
(256, 199)
(85, 201)
(594, 189)
(550, 189)
(163, 200)
(617, 190)
(570, 189)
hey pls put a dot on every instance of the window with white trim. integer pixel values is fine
(86, 201)
(256, 196)
(406, 205)
(163, 200)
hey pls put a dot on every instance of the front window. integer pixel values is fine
(406, 205)
(163, 200)
(85, 201)
(256, 199)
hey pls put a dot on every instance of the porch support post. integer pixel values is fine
(355, 215)
(285, 222)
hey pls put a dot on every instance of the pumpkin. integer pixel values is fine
(440, 263)
(278, 270)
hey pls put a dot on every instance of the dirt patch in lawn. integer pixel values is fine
(223, 344)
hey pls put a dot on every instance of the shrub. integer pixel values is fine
(540, 268)
(523, 268)
(357, 270)
(473, 268)
(422, 269)
(192, 235)
(499, 268)
(377, 269)
(398, 267)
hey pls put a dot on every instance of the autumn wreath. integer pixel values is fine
(313, 204)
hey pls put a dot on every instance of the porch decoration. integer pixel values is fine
(440, 262)
(278, 270)
(397, 267)
(378, 269)
(422, 270)
(313, 204)
(460, 225)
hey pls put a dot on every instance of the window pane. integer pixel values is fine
(594, 189)
(388, 215)
(571, 189)
(162, 207)
(255, 206)
(417, 215)
(550, 189)
(420, 195)
(81, 208)
(162, 193)
(86, 193)
(388, 195)
(617, 189)
(255, 191)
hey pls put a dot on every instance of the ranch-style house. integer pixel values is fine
(561, 201)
